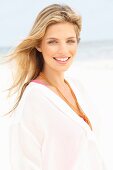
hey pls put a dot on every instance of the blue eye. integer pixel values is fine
(71, 41)
(52, 42)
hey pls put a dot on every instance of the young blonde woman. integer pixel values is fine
(51, 129)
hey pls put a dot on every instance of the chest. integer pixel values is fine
(68, 96)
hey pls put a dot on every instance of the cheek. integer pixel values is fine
(47, 53)
(73, 50)
(50, 50)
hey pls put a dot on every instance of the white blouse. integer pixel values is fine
(46, 134)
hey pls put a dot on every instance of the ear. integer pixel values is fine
(39, 49)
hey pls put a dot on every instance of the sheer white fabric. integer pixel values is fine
(46, 134)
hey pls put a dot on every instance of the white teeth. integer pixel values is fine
(61, 59)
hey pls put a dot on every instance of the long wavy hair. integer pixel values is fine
(29, 61)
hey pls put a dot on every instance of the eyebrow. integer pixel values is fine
(57, 38)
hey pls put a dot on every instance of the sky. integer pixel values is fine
(17, 17)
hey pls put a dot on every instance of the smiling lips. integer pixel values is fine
(61, 59)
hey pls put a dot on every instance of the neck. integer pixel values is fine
(55, 78)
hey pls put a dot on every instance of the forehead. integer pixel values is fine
(60, 29)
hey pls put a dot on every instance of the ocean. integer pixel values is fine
(94, 50)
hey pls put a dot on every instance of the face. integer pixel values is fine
(58, 47)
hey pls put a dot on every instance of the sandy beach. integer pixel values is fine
(97, 79)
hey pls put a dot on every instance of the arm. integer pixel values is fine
(26, 136)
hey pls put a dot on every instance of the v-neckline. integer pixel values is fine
(66, 101)
(62, 103)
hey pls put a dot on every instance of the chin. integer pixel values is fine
(62, 69)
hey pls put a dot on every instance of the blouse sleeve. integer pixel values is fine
(26, 136)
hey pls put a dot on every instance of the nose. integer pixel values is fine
(63, 48)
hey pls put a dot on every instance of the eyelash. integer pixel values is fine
(69, 41)
(51, 42)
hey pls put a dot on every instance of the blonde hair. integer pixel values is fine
(28, 59)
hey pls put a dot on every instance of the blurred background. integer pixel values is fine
(93, 65)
